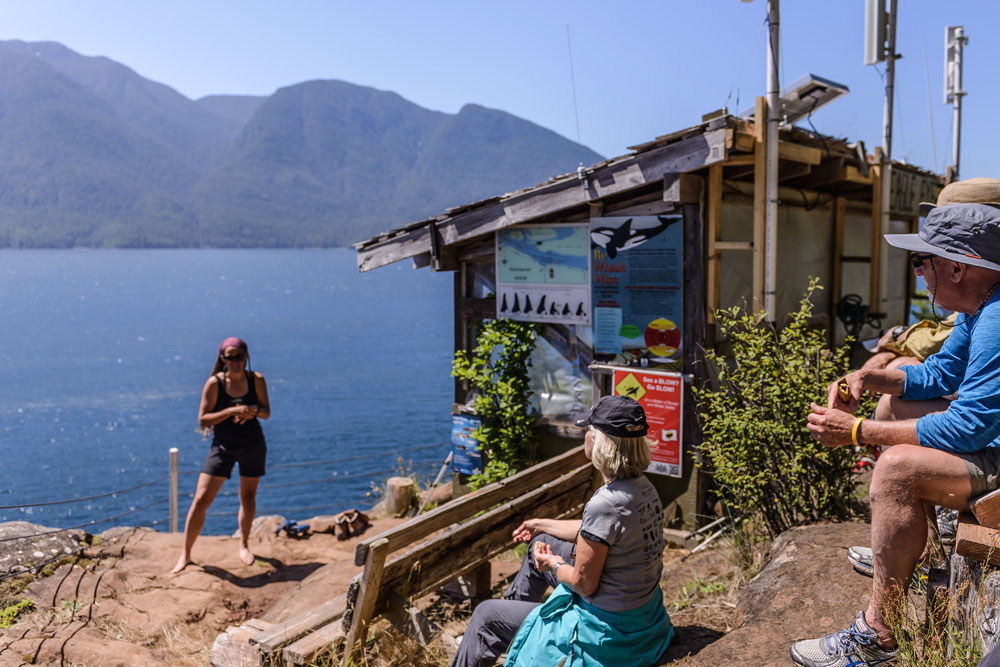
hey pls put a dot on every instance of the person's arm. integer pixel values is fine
(208, 397)
(562, 529)
(263, 404)
(885, 381)
(585, 574)
(833, 427)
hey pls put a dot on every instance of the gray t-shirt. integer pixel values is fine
(627, 516)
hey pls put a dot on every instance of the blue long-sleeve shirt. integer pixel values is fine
(968, 363)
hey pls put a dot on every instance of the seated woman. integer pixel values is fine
(607, 607)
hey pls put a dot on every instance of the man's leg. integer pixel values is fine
(906, 478)
(529, 584)
(490, 631)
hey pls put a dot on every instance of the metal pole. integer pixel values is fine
(890, 77)
(173, 489)
(956, 137)
(437, 480)
(771, 177)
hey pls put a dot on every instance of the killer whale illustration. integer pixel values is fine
(623, 237)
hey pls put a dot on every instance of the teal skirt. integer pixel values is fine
(568, 632)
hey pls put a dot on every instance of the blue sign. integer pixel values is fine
(467, 458)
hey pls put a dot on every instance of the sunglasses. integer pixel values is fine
(234, 358)
(918, 259)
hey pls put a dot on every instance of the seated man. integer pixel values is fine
(948, 455)
(607, 607)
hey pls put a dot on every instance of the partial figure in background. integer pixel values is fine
(233, 401)
(607, 608)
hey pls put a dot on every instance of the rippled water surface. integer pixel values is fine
(103, 355)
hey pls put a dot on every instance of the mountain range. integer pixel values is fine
(94, 155)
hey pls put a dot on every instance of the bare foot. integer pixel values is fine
(247, 556)
(182, 563)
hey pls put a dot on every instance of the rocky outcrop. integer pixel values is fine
(20, 551)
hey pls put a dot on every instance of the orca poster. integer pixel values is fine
(637, 285)
(543, 273)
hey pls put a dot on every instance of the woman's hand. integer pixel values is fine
(830, 426)
(527, 531)
(242, 413)
(545, 560)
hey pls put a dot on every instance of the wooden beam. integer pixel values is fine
(759, 203)
(839, 213)
(740, 160)
(876, 228)
(714, 233)
(457, 510)
(793, 152)
(303, 651)
(371, 583)
(616, 177)
(852, 175)
(734, 245)
(744, 141)
(682, 188)
(476, 309)
(278, 635)
(977, 542)
(788, 170)
(822, 175)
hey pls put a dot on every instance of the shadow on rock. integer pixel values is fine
(281, 572)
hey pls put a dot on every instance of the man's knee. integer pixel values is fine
(884, 410)
(894, 472)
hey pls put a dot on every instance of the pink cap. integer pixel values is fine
(233, 341)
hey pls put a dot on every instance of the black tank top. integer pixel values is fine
(228, 433)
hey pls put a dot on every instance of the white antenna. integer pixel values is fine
(954, 43)
(572, 79)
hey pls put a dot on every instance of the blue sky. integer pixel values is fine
(642, 68)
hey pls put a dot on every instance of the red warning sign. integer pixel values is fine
(661, 395)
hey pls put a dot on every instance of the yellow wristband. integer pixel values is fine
(854, 431)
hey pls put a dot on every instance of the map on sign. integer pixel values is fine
(543, 255)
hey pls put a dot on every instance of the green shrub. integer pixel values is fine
(497, 371)
(8, 615)
(753, 422)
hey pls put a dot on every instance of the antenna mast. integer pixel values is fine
(954, 44)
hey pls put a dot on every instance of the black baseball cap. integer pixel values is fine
(964, 233)
(619, 416)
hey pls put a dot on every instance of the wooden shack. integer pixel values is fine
(712, 176)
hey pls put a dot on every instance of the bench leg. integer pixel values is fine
(371, 581)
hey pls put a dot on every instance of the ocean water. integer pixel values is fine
(103, 356)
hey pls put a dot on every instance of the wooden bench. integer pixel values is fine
(974, 587)
(417, 558)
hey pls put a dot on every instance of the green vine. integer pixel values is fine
(753, 422)
(497, 372)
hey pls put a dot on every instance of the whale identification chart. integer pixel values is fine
(636, 278)
(543, 273)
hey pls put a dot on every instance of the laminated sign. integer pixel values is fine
(467, 457)
(543, 274)
(637, 279)
(662, 397)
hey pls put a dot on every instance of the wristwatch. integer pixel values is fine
(898, 331)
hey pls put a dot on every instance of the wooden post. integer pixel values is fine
(759, 202)
(173, 489)
(371, 580)
(876, 237)
(398, 495)
(714, 259)
(839, 211)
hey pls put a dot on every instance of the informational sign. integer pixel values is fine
(637, 279)
(543, 274)
(467, 458)
(661, 395)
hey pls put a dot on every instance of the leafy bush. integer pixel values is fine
(753, 422)
(497, 371)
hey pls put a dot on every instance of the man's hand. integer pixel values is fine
(855, 385)
(527, 531)
(832, 427)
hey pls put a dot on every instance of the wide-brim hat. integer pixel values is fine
(619, 416)
(969, 191)
(964, 233)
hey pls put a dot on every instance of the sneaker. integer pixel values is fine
(853, 647)
(862, 559)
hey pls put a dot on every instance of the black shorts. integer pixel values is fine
(220, 461)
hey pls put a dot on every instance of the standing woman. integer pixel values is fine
(233, 401)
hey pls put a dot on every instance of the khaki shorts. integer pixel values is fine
(984, 470)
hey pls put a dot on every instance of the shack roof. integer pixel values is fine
(807, 161)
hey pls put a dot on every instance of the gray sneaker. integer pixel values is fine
(853, 647)
(862, 559)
